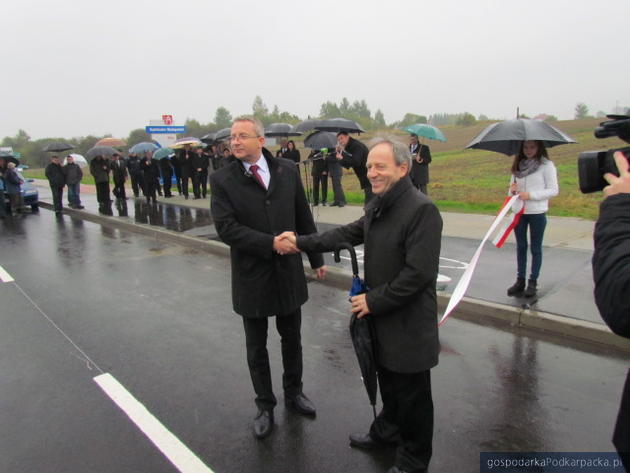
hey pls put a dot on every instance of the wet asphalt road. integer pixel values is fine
(565, 286)
(89, 300)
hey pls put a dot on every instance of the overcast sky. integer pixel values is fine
(79, 67)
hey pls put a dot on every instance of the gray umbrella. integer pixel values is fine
(506, 136)
(338, 125)
(306, 125)
(101, 151)
(210, 138)
(280, 129)
(223, 134)
(321, 140)
(143, 147)
(58, 147)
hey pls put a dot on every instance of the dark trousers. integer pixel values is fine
(203, 182)
(196, 181)
(3, 207)
(288, 327)
(184, 184)
(119, 190)
(166, 184)
(323, 179)
(406, 418)
(536, 224)
(150, 189)
(102, 193)
(336, 171)
(74, 194)
(57, 195)
(137, 183)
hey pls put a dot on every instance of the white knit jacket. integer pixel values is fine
(541, 185)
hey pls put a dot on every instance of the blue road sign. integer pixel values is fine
(165, 129)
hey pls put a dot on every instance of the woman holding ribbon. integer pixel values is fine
(534, 179)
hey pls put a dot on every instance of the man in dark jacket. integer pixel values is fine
(421, 157)
(166, 170)
(56, 179)
(353, 154)
(119, 175)
(99, 168)
(611, 272)
(135, 174)
(185, 160)
(73, 174)
(150, 175)
(254, 198)
(401, 231)
(319, 173)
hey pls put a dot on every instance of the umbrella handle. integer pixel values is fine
(353, 255)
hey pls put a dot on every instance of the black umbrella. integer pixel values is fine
(362, 331)
(321, 140)
(306, 125)
(209, 138)
(58, 147)
(506, 136)
(280, 129)
(9, 157)
(101, 151)
(338, 125)
(223, 134)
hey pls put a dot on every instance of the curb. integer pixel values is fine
(473, 310)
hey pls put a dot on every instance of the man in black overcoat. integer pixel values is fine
(611, 273)
(401, 230)
(119, 176)
(255, 197)
(421, 157)
(57, 181)
(353, 154)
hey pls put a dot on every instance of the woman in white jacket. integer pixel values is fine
(535, 180)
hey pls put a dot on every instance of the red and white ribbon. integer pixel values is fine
(516, 210)
(464, 281)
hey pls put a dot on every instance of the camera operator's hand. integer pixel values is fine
(621, 184)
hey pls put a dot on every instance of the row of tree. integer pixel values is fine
(33, 154)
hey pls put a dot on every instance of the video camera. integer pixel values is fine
(592, 165)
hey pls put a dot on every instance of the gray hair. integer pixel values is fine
(399, 149)
(258, 126)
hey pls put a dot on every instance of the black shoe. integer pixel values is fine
(186, 197)
(300, 403)
(531, 288)
(341, 205)
(79, 207)
(315, 204)
(395, 469)
(334, 204)
(517, 288)
(263, 424)
(366, 442)
(324, 204)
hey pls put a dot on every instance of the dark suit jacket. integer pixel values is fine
(355, 157)
(119, 171)
(420, 171)
(401, 232)
(247, 217)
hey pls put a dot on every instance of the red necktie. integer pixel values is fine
(254, 170)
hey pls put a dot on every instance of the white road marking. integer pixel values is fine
(172, 448)
(4, 276)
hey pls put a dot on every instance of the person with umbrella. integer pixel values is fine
(535, 180)
(151, 176)
(401, 230)
(319, 173)
(351, 153)
(421, 157)
(135, 174)
(73, 174)
(253, 197)
(100, 168)
(57, 181)
(119, 175)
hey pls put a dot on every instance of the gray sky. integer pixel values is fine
(73, 68)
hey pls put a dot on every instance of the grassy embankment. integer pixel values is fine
(474, 181)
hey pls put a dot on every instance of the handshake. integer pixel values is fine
(285, 244)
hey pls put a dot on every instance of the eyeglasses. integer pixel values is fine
(241, 137)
